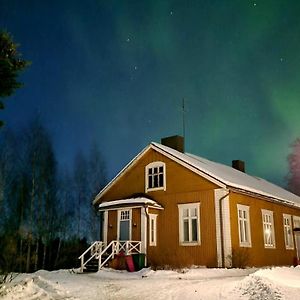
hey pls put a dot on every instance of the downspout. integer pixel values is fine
(221, 229)
(146, 231)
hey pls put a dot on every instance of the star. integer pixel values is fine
(128, 40)
(171, 13)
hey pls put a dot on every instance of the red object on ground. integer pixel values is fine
(129, 263)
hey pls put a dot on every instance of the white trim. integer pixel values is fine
(288, 229)
(130, 223)
(144, 151)
(188, 166)
(144, 231)
(129, 201)
(225, 240)
(296, 224)
(155, 164)
(105, 227)
(124, 170)
(227, 244)
(265, 212)
(181, 207)
(244, 208)
(153, 217)
(214, 178)
(131, 207)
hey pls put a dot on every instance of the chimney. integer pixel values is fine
(239, 165)
(175, 142)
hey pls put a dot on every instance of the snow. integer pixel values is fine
(232, 177)
(194, 283)
(135, 201)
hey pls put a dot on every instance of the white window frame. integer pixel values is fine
(288, 232)
(268, 228)
(130, 222)
(152, 229)
(181, 208)
(245, 225)
(155, 164)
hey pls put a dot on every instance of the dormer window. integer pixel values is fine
(156, 176)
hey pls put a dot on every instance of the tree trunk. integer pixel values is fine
(57, 254)
(36, 258)
(28, 253)
(21, 256)
(44, 257)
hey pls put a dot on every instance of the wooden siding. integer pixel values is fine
(257, 254)
(168, 250)
(179, 180)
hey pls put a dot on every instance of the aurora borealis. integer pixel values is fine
(116, 72)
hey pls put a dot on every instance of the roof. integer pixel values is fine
(131, 201)
(220, 174)
(234, 178)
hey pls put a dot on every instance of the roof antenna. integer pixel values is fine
(183, 117)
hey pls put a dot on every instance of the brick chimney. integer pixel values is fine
(175, 142)
(239, 165)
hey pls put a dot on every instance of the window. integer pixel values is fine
(189, 224)
(152, 229)
(268, 228)
(156, 176)
(244, 225)
(288, 233)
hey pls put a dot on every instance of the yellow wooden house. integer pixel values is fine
(181, 210)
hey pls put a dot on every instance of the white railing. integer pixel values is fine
(98, 251)
(95, 249)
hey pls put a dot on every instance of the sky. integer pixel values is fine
(115, 73)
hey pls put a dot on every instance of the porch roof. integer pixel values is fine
(139, 201)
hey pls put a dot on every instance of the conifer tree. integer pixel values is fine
(11, 64)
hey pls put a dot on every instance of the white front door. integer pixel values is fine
(124, 224)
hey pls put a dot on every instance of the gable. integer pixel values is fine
(132, 181)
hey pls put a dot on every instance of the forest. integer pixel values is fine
(47, 218)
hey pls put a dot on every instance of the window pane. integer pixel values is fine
(155, 170)
(186, 230)
(155, 184)
(194, 230)
(161, 169)
(161, 180)
(150, 181)
(246, 231)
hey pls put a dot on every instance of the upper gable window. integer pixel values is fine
(156, 176)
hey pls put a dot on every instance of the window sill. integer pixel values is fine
(246, 245)
(270, 247)
(289, 248)
(155, 189)
(190, 244)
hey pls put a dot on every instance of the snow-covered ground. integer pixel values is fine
(274, 283)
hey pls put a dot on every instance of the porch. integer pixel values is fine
(98, 254)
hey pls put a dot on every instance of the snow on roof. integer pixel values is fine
(232, 177)
(135, 201)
